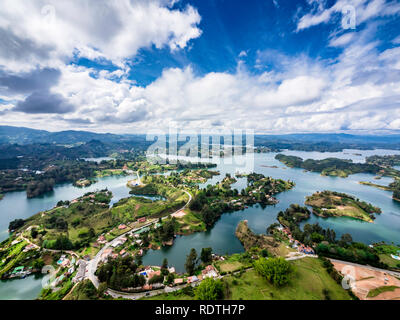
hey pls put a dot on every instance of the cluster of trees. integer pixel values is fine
(61, 243)
(120, 273)
(38, 187)
(56, 222)
(275, 270)
(16, 224)
(192, 259)
(211, 210)
(293, 215)
(167, 230)
(387, 160)
(396, 189)
(209, 289)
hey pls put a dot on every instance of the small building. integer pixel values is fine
(171, 270)
(102, 239)
(122, 227)
(141, 220)
(29, 247)
(80, 275)
(209, 272)
(192, 279)
(178, 281)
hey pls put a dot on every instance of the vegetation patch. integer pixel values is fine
(334, 204)
(377, 291)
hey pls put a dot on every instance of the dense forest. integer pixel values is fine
(120, 274)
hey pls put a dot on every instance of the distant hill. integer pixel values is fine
(331, 137)
(306, 142)
(23, 136)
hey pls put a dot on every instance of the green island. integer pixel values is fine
(334, 204)
(379, 165)
(336, 167)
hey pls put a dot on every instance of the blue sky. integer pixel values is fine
(274, 66)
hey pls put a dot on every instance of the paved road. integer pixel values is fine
(135, 296)
(393, 273)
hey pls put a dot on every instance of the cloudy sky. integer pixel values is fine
(275, 66)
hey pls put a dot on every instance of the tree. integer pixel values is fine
(156, 279)
(191, 260)
(170, 278)
(346, 238)
(206, 255)
(138, 259)
(272, 227)
(63, 243)
(38, 264)
(102, 288)
(34, 233)
(275, 270)
(164, 267)
(15, 224)
(209, 289)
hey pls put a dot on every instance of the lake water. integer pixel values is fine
(21, 289)
(221, 237)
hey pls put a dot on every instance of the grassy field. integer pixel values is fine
(109, 172)
(392, 263)
(190, 223)
(385, 251)
(308, 283)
